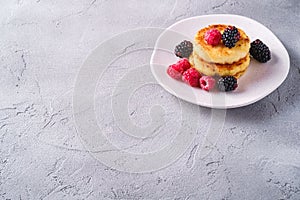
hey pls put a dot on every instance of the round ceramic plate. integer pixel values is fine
(260, 79)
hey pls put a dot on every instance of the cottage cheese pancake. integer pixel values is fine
(220, 53)
(236, 69)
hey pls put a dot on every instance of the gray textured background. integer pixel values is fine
(42, 46)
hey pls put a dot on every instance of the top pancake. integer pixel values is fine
(220, 53)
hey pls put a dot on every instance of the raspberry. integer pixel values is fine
(183, 64)
(184, 49)
(176, 70)
(191, 77)
(207, 83)
(227, 83)
(213, 37)
(230, 36)
(173, 72)
(260, 51)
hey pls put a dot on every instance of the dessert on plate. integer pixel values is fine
(219, 55)
(217, 59)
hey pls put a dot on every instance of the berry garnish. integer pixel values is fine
(176, 70)
(184, 49)
(191, 77)
(207, 83)
(173, 72)
(213, 37)
(183, 64)
(227, 83)
(230, 36)
(260, 51)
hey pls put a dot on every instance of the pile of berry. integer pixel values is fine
(229, 37)
(182, 71)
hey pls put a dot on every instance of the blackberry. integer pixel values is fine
(230, 36)
(260, 51)
(227, 83)
(184, 49)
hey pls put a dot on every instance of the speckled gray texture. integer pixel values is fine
(42, 46)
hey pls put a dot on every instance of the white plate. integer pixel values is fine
(260, 79)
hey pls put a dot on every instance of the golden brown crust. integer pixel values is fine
(220, 53)
(239, 74)
(199, 37)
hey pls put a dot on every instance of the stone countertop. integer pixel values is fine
(43, 45)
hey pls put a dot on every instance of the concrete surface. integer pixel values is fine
(42, 46)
